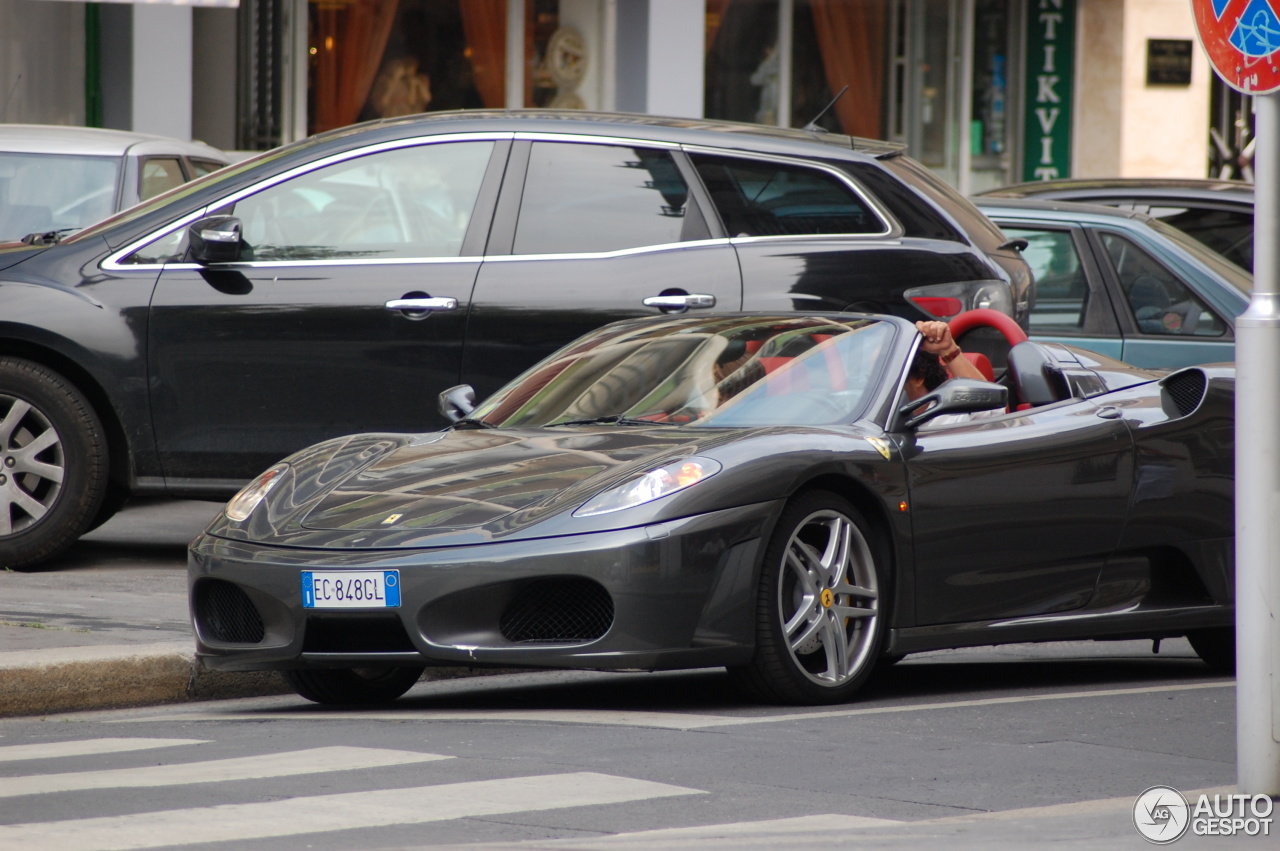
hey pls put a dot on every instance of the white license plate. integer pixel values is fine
(350, 589)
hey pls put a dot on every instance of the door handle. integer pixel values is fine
(422, 305)
(683, 301)
(1110, 413)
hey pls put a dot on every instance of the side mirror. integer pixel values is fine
(215, 239)
(457, 402)
(957, 396)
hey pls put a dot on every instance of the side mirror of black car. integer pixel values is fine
(957, 396)
(457, 402)
(215, 239)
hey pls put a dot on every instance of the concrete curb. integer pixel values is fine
(69, 679)
(72, 679)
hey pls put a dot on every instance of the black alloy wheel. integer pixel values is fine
(53, 463)
(352, 686)
(821, 605)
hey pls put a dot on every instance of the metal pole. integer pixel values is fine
(1257, 449)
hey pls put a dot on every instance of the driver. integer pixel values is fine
(938, 359)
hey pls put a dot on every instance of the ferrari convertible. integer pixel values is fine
(758, 492)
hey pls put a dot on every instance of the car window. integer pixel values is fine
(160, 174)
(203, 167)
(1062, 290)
(1228, 232)
(766, 198)
(408, 202)
(1159, 302)
(589, 198)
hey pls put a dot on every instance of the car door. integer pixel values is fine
(1166, 322)
(345, 313)
(1014, 516)
(590, 230)
(1072, 304)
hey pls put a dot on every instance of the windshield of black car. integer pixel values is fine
(715, 372)
(54, 192)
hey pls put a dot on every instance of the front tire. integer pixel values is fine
(821, 605)
(53, 463)
(1216, 647)
(350, 686)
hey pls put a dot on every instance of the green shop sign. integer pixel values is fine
(1051, 51)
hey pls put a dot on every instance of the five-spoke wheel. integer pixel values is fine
(820, 605)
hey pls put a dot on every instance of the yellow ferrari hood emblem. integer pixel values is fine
(391, 518)
(881, 444)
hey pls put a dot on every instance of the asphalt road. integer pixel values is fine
(1016, 747)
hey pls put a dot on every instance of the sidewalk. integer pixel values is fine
(107, 626)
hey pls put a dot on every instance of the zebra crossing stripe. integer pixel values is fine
(327, 813)
(88, 747)
(287, 764)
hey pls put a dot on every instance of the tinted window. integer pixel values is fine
(160, 174)
(410, 202)
(1062, 290)
(203, 167)
(1159, 302)
(1228, 232)
(763, 198)
(590, 198)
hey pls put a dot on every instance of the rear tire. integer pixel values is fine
(1216, 647)
(53, 463)
(821, 605)
(350, 686)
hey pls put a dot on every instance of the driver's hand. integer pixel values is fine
(937, 336)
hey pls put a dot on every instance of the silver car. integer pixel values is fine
(58, 178)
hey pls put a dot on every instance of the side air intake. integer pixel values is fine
(225, 613)
(1185, 390)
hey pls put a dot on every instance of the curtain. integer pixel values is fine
(851, 38)
(354, 37)
(485, 24)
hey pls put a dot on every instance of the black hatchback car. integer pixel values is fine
(338, 284)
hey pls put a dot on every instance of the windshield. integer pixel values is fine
(47, 192)
(1224, 268)
(721, 372)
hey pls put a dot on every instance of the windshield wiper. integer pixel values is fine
(470, 422)
(615, 419)
(50, 237)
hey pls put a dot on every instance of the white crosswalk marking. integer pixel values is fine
(324, 813)
(88, 747)
(243, 768)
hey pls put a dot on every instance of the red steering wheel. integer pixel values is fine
(986, 317)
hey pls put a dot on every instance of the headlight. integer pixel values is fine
(652, 485)
(243, 503)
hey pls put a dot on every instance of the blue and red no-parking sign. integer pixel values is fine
(1242, 38)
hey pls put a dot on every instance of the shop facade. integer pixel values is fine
(985, 92)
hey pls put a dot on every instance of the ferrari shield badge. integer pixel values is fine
(880, 444)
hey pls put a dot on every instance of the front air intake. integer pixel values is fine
(1185, 389)
(558, 611)
(226, 614)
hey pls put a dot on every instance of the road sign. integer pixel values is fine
(1242, 38)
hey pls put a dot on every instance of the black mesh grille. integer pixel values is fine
(1186, 389)
(374, 633)
(227, 614)
(558, 610)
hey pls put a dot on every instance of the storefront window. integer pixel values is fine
(832, 43)
(384, 58)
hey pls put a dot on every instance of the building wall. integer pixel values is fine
(41, 62)
(1125, 127)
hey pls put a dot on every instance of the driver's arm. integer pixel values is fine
(938, 341)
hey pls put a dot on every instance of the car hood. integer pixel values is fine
(451, 488)
(13, 253)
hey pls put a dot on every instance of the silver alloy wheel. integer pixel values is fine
(828, 596)
(32, 465)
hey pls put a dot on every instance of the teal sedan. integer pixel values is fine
(1123, 284)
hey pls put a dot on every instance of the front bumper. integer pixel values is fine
(680, 594)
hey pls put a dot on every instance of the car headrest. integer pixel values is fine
(1036, 376)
